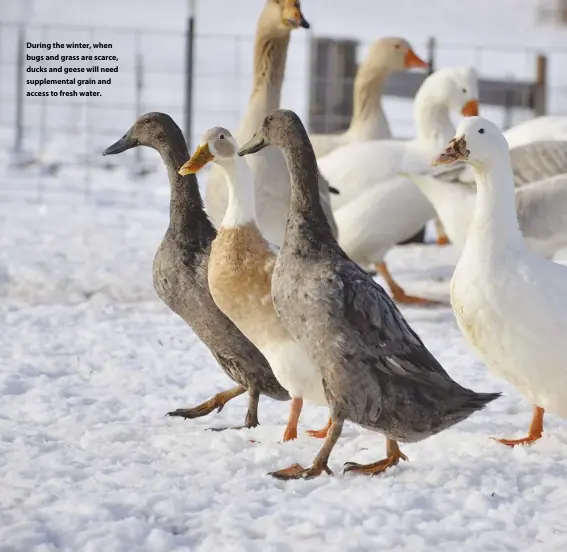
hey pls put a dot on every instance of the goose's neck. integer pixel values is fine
(434, 127)
(495, 221)
(270, 53)
(304, 177)
(186, 209)
(241, 208)
(367, 114)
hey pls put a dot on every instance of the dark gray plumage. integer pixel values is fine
(376, 370)
(180, 273)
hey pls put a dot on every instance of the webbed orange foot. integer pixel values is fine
(320, 433)
(393, 458)
(296, 471)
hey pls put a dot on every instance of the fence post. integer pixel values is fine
(19, 119)
(540, 99)
(139, 83)
(189, 51)
(431, 46)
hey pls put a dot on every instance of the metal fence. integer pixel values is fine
(57, 132)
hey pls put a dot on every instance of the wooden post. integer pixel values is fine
(540, 97)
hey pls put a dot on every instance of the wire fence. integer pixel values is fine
(72, 132)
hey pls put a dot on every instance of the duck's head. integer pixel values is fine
(455, 87)
(477, 142)
(282, 16)
(216, 145)
(152, 129)
(393, 54)
(277, 129)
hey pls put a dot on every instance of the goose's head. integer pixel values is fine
(394, 54)
(282, 16)
(154, 130)
(455, 87)
(216, 145)
(477, 142)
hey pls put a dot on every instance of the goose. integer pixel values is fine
(271, 179)
(240, 272)
(541, 209)
(510, 303)
(546, 127)
(180, 274)
(376, 371)
(376, 209)
(386, 56)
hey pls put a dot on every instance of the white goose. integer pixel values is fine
(376, 209)
(547, 127)
(510, 304)
(386, 56)
(240, 275)
(271, 177)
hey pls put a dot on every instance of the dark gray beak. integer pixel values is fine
(254, 145)
(125, 143)
(304, 23)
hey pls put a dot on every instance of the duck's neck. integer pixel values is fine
(186, 209)
(305, 201)
(495, 223)
(270, 52)
(368, 120)
(434, 127)
(241, 209)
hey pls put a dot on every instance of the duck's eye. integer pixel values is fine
(481, 131)
(465, 90)
(397, 46)
(270, 118)
(221, 136)
(147, 121)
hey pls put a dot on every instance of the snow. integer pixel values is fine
(91, 360)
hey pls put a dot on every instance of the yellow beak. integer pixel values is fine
(198, 160)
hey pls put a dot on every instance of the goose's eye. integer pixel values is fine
(465, 90)
(221, 136)
(397, 46)
(147, 121)
(269, 119)
(481, 131)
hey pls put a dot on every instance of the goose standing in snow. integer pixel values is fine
(376, 371)
(180, 274)
(240, 275)
(386, 56)
(376, 209)
(271, 179)
(510, 303)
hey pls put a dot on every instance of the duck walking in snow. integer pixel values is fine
(180, 274)
(376, 371)
(510, 303)
(240, 274)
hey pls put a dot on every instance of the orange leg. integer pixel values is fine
(394, 455)
(442, 238)
(320, 433)
(294, 413)
(398, 293)
(534, 433)
(215, 403)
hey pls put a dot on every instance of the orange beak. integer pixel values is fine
(198, 160)
(413, 60)
(470, 109)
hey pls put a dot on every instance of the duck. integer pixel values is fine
(271, 179)
(180, 275)
(541, 209)
(386, 56)
(509, 302)
(377, 208)
(240, 269)
(376, 370)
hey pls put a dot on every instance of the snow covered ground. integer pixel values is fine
(91, 362)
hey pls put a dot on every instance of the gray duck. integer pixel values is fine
(180, 274)
(376, 371)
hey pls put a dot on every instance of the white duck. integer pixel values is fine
(386, 56)
(510, 303)
(355, 168)
(271, 177)
(377, 209)
(240, 275)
